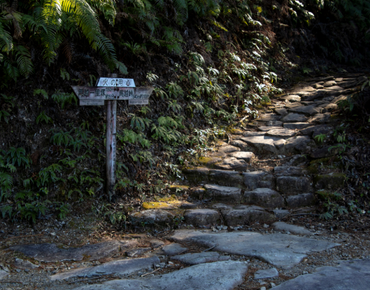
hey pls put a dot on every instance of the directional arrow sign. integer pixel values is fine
(115, 82)
(95, 96)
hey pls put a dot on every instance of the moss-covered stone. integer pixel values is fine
(162, 203)
(236, 131)
(323, 163)
(209, 160)
(329, 181)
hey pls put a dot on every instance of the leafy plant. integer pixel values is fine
(43, 118)
(64, 98)
(17, 156)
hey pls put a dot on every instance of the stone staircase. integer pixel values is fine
(268, 168)
(229, 236)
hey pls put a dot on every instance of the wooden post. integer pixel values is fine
(111, 145)
(109, 90)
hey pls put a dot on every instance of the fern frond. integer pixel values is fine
(24, 61)
(6, 41)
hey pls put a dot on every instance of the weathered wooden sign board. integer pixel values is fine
(112, 89)
(95, 96)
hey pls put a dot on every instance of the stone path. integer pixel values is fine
(231, 236)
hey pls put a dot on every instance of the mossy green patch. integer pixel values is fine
(235, 131)
(156, 205)
(209, 160)
(332, 180)
(322, 163)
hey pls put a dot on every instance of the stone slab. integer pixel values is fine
(258, 179)
(173, 249)
(199, 258)
(246, 215)
(281, 111)
(223, 193)
(281, 213)
(306, 110)
(201, 217)
(152, 216)
(24, 264)
(269, 117)
(353, 274)
(294, 117)
(278, 249)
(239, 143)
(266, 274)
(298, 143)
(274, 123)
(281, 132)
(225, 177)
(228, 149)
(232, 163)
(321, 118)
(264, 197)
(262, 143)
(317, 129)
(221, 206)
(197, 174)
(292, 98)
(289, 170)
(255, 133)
(52, 253)
(118, 267)
(293, 185)
(296, 125)
(268, 128)
(300, 200)
(281, 226)
(3, 274)
(224, 275)
(330, 83)
(246, 156)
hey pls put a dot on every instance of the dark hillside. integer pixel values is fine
(212, 63)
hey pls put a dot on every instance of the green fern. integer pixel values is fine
(43, 118)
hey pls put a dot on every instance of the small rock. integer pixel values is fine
(266, 274)
(137, 252)
(3, 274)
(293, 98)
(281, 213)
(198, 258)
(281, 111)
(330, 83)
(281, 226)
(22, 264)
(173, 249)
(156, 243)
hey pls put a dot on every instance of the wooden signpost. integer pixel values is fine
(112, 90)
